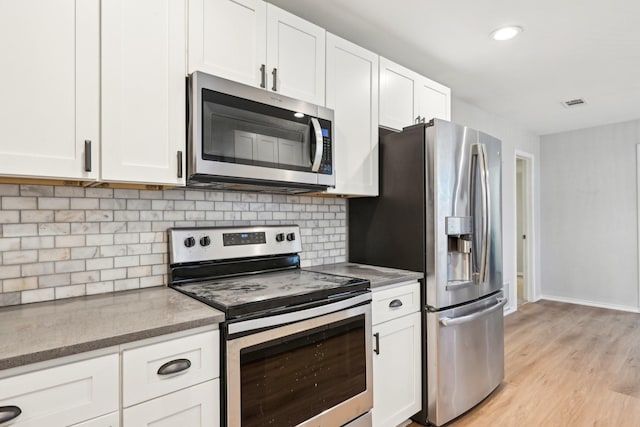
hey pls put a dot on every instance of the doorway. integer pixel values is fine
(524, 179)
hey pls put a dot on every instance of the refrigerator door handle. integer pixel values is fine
(449, 321)
(480, 150)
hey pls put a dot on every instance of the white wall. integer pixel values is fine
(514, 138)
(589, 216)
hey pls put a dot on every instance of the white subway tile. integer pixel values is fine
(53, 203)
(37, 269)
(150, 194)
(214, 215)
(53, 254)
(173, 216)
(151, 215)
(152, 237)
(19, 257)
(84, 277)
(115, 204)
(62, 191)
(149, 281)
(100, 239)
(214, 196)
(9, 271)
(138, 205)
(100, 263)
(113, 274)
(99, 216)
(185, 205)
(54, 229)
(111, 251)
(69, 216)
(126, 284)
(20, 203)
(139, 227)
(85, 227)
(126, 261)
(19, 284)
(84, 204)
(36, 190)
(36, 216)
(194, 195)
(113, 227)
(9, 190)
(195, 216)
(37, 295)
(9, 244)
(139, 249)
(72, 241)
(70, 291)
(126, 238)
(140, 271)
(69, 266)
(99, 287)
(151, 259)
(125, 194)
(53, 280)
(9, 217)
(87, 252)
(101, 193)
(126, 216)
(173, 194)
(162, 205)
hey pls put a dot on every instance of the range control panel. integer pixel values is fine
(216, 243)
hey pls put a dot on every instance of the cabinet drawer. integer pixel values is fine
(197, 406)
(63, 395)
(395, 302)
(141, 379)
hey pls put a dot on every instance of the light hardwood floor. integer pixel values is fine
(567, 366)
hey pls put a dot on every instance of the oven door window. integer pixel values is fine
(292, 379)
(237, 130)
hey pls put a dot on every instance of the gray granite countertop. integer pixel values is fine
(378, 276)
(36, 332)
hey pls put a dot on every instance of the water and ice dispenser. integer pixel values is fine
(460, 235)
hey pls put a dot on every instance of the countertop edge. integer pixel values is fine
(55, 353)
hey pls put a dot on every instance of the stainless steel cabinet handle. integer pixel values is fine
(274, 73)
(174, 366)
(317, 156)
(8, 413)
(377, 337)
(395, 303)
(179, 164)
(263, 76)
(87, 155)
(453, 321)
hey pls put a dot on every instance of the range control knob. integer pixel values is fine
(189, 242)
(205, 241)
(279, 237)
(291, 237)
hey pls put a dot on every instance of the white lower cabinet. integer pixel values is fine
(197, 406)
(109, 420)
(397, 366)
(64, 395)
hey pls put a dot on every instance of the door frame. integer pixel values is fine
(530, 243)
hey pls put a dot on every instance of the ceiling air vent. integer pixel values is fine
(574, 103)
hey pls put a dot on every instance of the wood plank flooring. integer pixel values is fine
(567, 366)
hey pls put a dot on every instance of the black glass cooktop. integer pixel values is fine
(247, 295)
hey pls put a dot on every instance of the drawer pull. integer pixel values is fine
(395, 303)
(377, 337)
(8, 413)
(174, 366)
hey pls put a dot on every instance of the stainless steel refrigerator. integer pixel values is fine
(439, 211)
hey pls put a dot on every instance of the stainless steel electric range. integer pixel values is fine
(296, 344)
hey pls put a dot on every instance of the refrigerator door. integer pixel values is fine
(465, 357)
(463, 228)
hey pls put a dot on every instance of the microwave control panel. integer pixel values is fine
(327, 156)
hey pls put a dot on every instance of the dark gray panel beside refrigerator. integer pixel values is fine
(439, 211)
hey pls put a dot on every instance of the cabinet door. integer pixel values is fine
(143, 90)
(49, 87)
(397, 371)
(295, 56)
(197, 406)
(397, 95)
(352, 92)
(227, 38)
(434, 100)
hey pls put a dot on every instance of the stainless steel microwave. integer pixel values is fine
(245, 138)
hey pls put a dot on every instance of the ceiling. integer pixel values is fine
(569, 49)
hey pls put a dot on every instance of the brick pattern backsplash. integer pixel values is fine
(60, 242)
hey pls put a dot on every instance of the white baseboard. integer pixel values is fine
(510, 310)
(590, 303)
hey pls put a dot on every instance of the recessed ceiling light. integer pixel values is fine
(298, 115)
(506, 33)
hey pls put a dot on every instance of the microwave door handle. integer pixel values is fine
(317, 156)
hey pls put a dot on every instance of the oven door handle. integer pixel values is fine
(269, 322)
(317, 157)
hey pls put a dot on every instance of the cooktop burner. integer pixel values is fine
(251, 271)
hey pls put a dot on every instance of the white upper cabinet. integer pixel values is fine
(352, 92)
(407, 98)
(258, 44)
(143, 91)
(227, 38)
(295, 56)
(49, 88)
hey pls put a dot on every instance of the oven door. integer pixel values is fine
(314, 372)
(245, 133)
